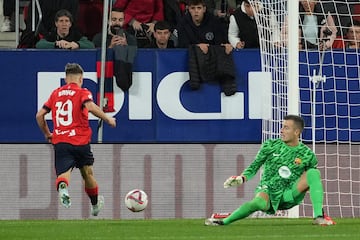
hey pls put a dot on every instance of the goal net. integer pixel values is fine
(311, 48)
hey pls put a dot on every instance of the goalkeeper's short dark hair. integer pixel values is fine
(299, 122)
(73, 68)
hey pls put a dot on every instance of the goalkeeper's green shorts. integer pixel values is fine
(282, 201)
(288, 201)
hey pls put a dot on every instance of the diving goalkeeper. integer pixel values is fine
(289, 171)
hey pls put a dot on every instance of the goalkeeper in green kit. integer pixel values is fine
(289, 171)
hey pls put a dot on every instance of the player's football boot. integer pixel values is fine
(323, 221)
(95, 209)
(64, 195)
(213, 222)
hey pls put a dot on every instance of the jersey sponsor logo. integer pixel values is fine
(284, 172)
(70, 133)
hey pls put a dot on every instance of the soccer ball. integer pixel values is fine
(136, 200)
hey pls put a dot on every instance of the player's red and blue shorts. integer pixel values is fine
(68, 156)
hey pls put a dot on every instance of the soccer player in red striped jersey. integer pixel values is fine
(69, 106)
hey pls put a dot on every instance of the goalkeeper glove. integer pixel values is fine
(234, 181)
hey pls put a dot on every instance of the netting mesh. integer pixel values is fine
(328, 87)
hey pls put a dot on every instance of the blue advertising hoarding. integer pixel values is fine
(160, 106)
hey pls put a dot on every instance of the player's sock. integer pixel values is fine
(93, 194)
(316, 191)
(60, 180)
(258, 203)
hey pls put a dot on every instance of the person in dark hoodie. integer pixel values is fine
(200, 27)
(210, 58)
(161, 38)
(64, 36)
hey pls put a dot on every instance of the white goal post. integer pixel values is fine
(317, 78)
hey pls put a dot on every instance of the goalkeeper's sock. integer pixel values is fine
(258, 203)
(316, 191)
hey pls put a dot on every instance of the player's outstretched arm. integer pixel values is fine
(95, 109)
(234, 181)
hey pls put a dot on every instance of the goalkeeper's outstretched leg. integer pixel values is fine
(259, 203)
(290, 170)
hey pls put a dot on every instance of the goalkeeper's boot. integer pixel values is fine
(220, 215)
(64, 195)
(213, 222)
(329, 219)
(95, 209)
(323, 221)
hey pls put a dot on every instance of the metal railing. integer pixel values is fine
(34, 26)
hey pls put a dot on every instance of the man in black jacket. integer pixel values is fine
(210, 56)
(200, 27)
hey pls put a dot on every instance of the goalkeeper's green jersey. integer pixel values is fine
(282, 167)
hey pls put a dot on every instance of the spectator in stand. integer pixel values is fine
(352, 37)
(200, 27)
(222, 9)
(8, 11)
(243, 32)
(352, 40)
(342, 12)
(162, 35)
(124, 45)
(318, 27)
(64, 36)
(49, 9)
(202, 33)
(117, 35)
(173, 12)
(141, 16)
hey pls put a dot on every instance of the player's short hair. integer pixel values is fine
(299, 122)
(73, 68)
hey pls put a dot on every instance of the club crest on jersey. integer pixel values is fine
(297, 161)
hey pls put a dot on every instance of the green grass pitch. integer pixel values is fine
(181, 229)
